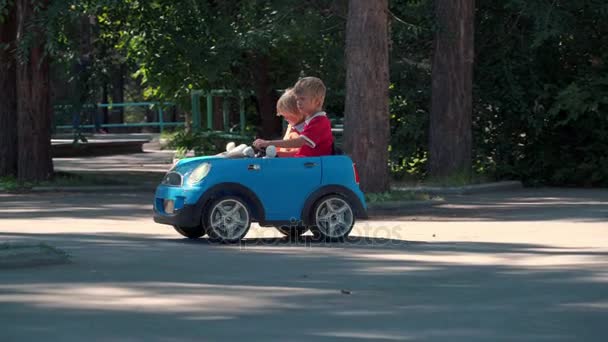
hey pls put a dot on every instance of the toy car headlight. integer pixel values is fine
(198, 174)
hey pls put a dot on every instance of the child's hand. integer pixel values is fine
(260, 143)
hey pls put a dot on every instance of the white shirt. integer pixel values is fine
(299, 127)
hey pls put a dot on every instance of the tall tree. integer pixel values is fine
(450, 143)
(8, 102)
(367, 83)
(266, 96)
(118, 92)
(254, 45)
(33, 97)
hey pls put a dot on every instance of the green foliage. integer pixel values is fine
(11, 184)
(457, 180)
(183, 45)
(395, 196)
(540, 75)
(540, 91)
(411, 34)
(409, 132)
(5, 7)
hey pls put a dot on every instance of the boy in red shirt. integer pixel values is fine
(316, 139)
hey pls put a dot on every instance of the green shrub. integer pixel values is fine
(204, 142)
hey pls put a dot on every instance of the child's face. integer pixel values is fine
(292, 118)
(308, 104)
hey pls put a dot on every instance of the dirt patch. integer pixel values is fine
(18, 255)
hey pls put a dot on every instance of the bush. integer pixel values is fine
(539, 91)
(409, 136)
(204, 142)
(540, 98)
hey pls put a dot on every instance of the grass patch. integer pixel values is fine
(61, 179)
(13, 255)
(130, 178)
(79, 179)
(169, 134)
(396, 196)
(9, 184)
(456, 180)
(13, 246)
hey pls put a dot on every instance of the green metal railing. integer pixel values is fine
(197, 117)
(225, 94)
(161, 123)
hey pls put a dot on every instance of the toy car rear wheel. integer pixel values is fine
(191, 232)
(292, 232)
(333, 217)
(227, 220)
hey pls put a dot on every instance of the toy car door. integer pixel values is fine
(287, 183)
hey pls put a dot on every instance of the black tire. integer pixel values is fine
(190, 232)
(219, 214)
(333, 218)
(292, 232)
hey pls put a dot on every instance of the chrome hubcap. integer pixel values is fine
(334, 217)
(229, 219)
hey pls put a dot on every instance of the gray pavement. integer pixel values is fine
(68, 138)
(529, 265)
(149, 161)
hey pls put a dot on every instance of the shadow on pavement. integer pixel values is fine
(527, 205)
(121, 206)
(585, 205)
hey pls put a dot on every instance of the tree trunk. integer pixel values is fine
(217, 113)
(366, 135)
(118, 93)
(8, 99)
(105, 113)
(151, 116)
(33, 101)
(266, 97)
(450, 144)
(173, 114)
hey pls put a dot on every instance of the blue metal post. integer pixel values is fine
(161, 122)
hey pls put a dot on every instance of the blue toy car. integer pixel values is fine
(220, 197)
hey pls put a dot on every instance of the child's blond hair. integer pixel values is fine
(288, 102)
(311, 86)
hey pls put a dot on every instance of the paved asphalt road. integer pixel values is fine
(529, 265)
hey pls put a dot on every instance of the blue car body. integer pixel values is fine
(277, 190)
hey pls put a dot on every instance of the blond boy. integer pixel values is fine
(287, 107)
(316, 139)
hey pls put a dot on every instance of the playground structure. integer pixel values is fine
(128, 120)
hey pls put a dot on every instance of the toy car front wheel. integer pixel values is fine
(333, 217)
(190, 232)
(228, 219)
(292, 232)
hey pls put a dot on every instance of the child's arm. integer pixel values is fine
(291, 143)
(288, 153)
